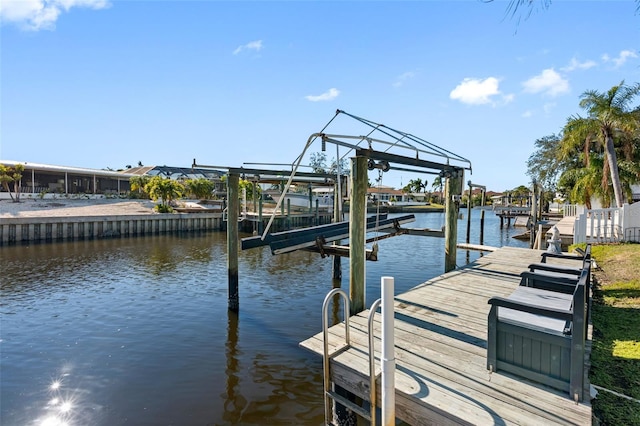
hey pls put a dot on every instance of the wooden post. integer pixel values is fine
(482, 227)
(453, 189)
(260, 224)
(534, 215)
(541, 203)
(255, 205)
(337, 212)
(469, 215)
(232, 240)
(282, 204)
(357, 234)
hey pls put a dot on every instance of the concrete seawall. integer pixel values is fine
(41, 229)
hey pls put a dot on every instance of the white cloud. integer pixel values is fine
(252, 45)
(35, 15)
(527, 114)
(329, 95)
(621, 59)
(548, 82)
(403, 78)
(577, 65)
(475, 91)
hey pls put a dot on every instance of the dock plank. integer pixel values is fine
(440, 337)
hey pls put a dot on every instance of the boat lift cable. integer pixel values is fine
(375, 241)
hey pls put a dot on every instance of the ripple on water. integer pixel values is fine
(137, 330)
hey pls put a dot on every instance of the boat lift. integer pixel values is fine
(380, 147)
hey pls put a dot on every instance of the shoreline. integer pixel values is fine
(49, 208)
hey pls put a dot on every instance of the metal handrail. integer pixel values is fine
(325, 337)
(372, 366)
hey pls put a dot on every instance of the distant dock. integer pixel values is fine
(519, 215)
(441, 353)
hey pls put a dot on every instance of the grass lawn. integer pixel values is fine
(615, 356)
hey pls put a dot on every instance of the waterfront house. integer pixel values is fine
(47, 179)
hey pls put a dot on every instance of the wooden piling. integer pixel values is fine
(469, 214)
(260, 224)
(482, 227)
(453, 189)
(534, 215)
(337, 217)
(255, 204)
(357, 233)
(232, 240)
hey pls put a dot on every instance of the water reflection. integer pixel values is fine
(61, 405)
(336, 311)
(234, 402)
(144, 324)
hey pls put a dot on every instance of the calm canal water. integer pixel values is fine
(137, 332)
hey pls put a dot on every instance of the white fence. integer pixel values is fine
(571, 209)
(608, 225)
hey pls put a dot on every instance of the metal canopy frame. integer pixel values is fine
(385, 144)
(275, 176)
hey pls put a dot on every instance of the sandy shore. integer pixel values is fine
(66, 208)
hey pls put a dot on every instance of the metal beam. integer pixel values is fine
(309, 238)
(343, 251)
(399, 159)
(268, 175)
(309, 233)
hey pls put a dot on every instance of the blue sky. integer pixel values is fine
(97, 83)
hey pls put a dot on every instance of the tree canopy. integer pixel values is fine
(165, 190)
(597, 155)
(13, 176)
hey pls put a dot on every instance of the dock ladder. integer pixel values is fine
(329, 392)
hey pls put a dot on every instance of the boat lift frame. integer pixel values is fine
(382, 148)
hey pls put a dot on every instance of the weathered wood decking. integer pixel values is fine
(441, 352)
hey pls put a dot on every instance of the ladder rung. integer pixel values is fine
(350, 405)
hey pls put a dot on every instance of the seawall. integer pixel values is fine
(48, 229)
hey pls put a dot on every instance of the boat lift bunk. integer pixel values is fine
(317, 238)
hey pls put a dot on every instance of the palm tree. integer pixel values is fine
(165, 190)
(515, 7)
(138, 183)
(437, 183)
(12, 175)
(201, 188)
(609, 119)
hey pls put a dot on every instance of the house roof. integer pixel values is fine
(384, 190)
(176, 172)
(67, 169)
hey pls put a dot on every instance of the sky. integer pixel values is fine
(109, 83)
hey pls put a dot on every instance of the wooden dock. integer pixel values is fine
(441, 352)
